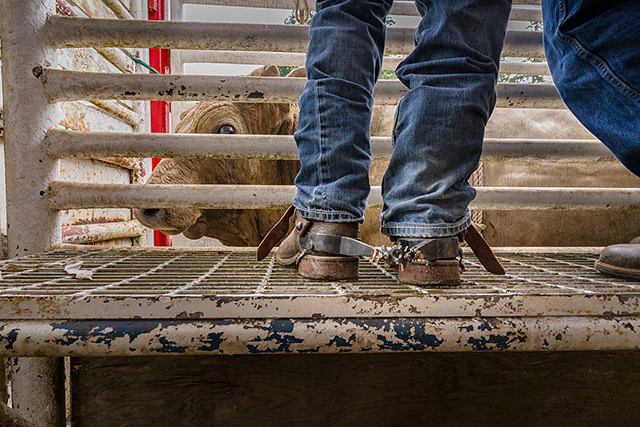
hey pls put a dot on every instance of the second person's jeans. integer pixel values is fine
(439, 128)
(593, 50)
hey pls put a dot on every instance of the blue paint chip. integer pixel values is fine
(341, 342)
(411, 335)
(85, 331)
(211, 342)
(495, 342)
(169, 347)
(11, 337)
(282, 325)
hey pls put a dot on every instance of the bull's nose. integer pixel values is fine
(148, 217)
(150, 213)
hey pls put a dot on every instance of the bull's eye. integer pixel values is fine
(226, 129)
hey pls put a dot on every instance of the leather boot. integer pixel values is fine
(622, 260)
(441, 268)
(318, 265)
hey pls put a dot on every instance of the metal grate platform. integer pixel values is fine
(167, 301)
(190, 279)
(236, 273)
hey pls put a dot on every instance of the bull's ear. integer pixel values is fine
(298, 72)
(265, 71)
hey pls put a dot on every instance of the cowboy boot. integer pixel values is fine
(318, 265)
(622, 260)
(438, 261)
(439, 266)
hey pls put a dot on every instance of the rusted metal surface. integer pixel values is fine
(91, 233)
(97, 172)
(118, 9)
(85, 116)
(67, 195)
(63, 85)
(81, 32)
(278, 336)
(62, 143)
(120, 110)
(96, 9)
(109, 115)
(145, 303)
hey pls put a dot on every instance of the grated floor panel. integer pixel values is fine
(218, 273)
(167, 301)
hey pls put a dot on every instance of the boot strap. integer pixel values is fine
(274, 235)
(482, 251)
(279, 230)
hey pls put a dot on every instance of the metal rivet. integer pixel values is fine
(299, 225)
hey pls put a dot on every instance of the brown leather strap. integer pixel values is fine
(301, 224)
(483, 252)
(274, 235)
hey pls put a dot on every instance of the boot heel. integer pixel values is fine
(320, 267)
(442, 272)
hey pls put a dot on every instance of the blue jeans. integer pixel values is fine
(451, 76)
(593, 50)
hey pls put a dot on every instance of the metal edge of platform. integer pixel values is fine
(510, 305)
(354, 303)
(104, 325)
(287, 336)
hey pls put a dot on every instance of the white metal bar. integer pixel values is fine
(83, 32)
(407, 8)
(72, 195)
(91, 233)
(190, 56)
(65, 143)
(535, 68)
(194, 337)
(61, 85)
(27, 116)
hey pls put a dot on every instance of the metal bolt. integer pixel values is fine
(37, 71)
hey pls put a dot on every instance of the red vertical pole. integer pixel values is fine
(159, 110)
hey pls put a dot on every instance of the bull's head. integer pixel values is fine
(233, 227)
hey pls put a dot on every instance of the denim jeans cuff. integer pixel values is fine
(402, 229)
(327, 216)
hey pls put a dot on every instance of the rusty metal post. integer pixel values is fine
(36, 382)
(37, 390)
(27, 116)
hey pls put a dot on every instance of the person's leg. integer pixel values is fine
(592, 49)
(344, 60)
(440, 122)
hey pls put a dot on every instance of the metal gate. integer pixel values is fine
(35, 85)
